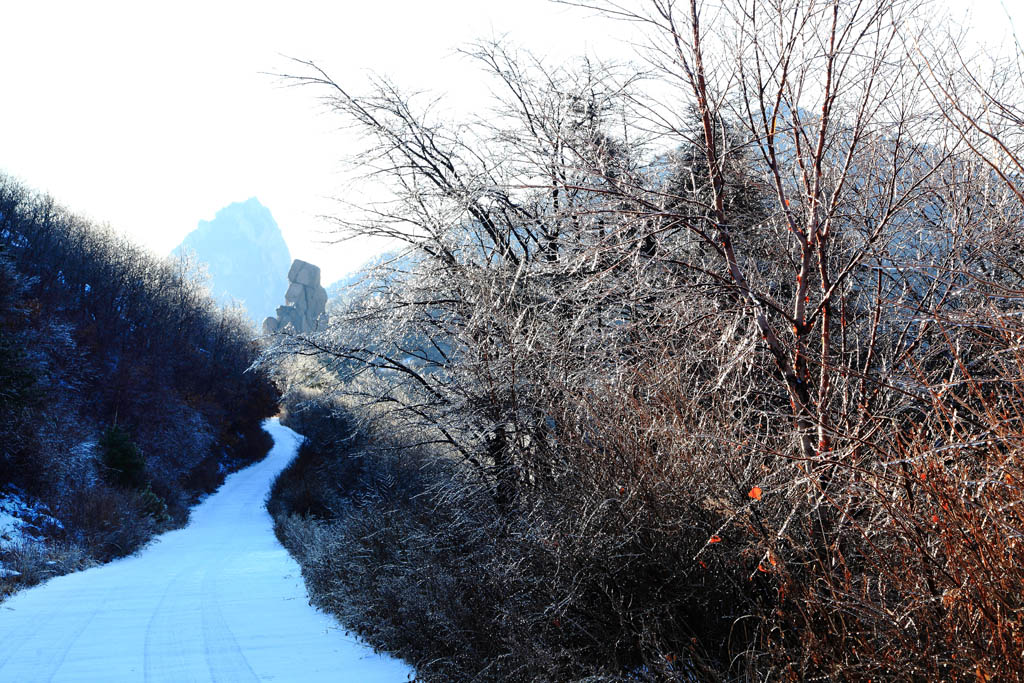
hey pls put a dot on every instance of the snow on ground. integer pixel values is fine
(10, 526)
(25, 522)
(219, 600)
(22, 520)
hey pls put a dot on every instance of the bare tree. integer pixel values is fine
(504, 221)
(818, 98)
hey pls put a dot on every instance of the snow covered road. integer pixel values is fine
(219, 600)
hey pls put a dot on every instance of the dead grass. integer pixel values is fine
(31, 563)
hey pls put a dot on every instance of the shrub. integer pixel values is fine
(122, 458)
(204, 477)
(153, 505)
(27, 562)
(17, 378)
(669, 541)
(30, 563)
(109, 521)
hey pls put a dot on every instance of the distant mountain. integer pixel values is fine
(246, 256)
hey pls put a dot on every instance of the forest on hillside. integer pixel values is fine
(704, 369)
(124, 391)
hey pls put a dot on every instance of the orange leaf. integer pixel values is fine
(935, 519)
(715, 539)
(755, 493)
(760, 568)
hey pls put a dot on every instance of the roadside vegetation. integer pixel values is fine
(705, 370)
(124, 391)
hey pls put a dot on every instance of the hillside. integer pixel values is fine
(123, 391)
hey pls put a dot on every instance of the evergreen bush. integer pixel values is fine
(122, 458)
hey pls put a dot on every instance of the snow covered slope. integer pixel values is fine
(219, 600)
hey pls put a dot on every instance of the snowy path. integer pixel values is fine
(219, 600)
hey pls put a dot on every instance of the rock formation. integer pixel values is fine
(305, 301)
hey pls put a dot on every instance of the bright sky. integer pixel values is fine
(152, 116)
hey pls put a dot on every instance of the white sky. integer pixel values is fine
(152, 116)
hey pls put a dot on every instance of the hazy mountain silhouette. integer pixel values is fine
(246, 256)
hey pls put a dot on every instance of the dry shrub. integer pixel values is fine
(666, 538)
(604, 570)
(656, 549)
(28, 560)
(205, 477)
(30, 563)
(921, 575)
(110, 521)
(318, 481)
(893, 557)
(402, 548)
(410, 580)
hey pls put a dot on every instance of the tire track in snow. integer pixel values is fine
(163, 636)
(54, 664)
(64, 630)
(223, 655)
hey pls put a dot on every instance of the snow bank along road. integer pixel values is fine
(219, 600)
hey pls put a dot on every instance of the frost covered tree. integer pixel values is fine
(731, 340)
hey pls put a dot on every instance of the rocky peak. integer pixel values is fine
(245, 255)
